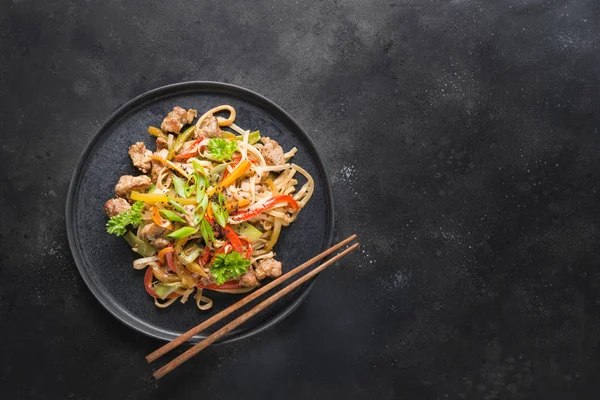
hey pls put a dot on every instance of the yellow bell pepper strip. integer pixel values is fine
(159, 220)
(181, 139)
(159, 198)
(196, 269)
(229, 135)
(272, 186)
(235, 205)
(238, 171)
(154, 131)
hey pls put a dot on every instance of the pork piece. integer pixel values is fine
(209, 128)
(268, 268)
(140, 157)
(127, 183)
(152, 232)
(248, 280)
(176, 119)
(116, 206)
(272, 152)
(157, 165)
(160, 243)
(161, 143)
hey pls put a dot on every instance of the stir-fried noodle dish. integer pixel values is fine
(208, 208)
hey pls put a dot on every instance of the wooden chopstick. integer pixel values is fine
(209, 322)
(159, 373)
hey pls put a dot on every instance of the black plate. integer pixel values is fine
(105, 261)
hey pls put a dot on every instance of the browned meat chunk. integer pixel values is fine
(268, 268)
(160, 243)
(116, 206)
(152, 232)
(157, 166)
(127, 183)
(248, 280)
(161, 143)
(140, 156)
(272, 152)
(177, 118)
(209, 128)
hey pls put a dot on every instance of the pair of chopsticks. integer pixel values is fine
(159, 373)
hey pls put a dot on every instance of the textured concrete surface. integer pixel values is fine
(462, 142)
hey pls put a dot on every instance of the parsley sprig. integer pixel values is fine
(226, 267)
(117, 224)
(221, 149)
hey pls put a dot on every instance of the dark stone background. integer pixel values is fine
(462, 142)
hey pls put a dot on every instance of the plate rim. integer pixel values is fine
(105, 300)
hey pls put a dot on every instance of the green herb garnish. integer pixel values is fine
(117, 225)
(221, 149)
(226, 267)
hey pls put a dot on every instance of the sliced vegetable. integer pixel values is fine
(116, 225)
(190, 254)
(182, 232)
(176, 205)
(235, 205)
(226, 267)
(248, 230)
(234, 239)
(158, 220)
(181, 139)
(219, 210)
(139, 246)
(171, 216)
(198, 167)
(179, 186)
(148, 277)
(206, 232)
(151, 189)
(154, 131)
(163, 253)
(204, 257)
(238, 171)
(267, 205)
(190, 151)
(253, 137)
(163, 291)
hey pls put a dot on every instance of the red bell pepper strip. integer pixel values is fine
(191, 151)
(267, 205)
(170, 262)
(234, 239)
(203, 259)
